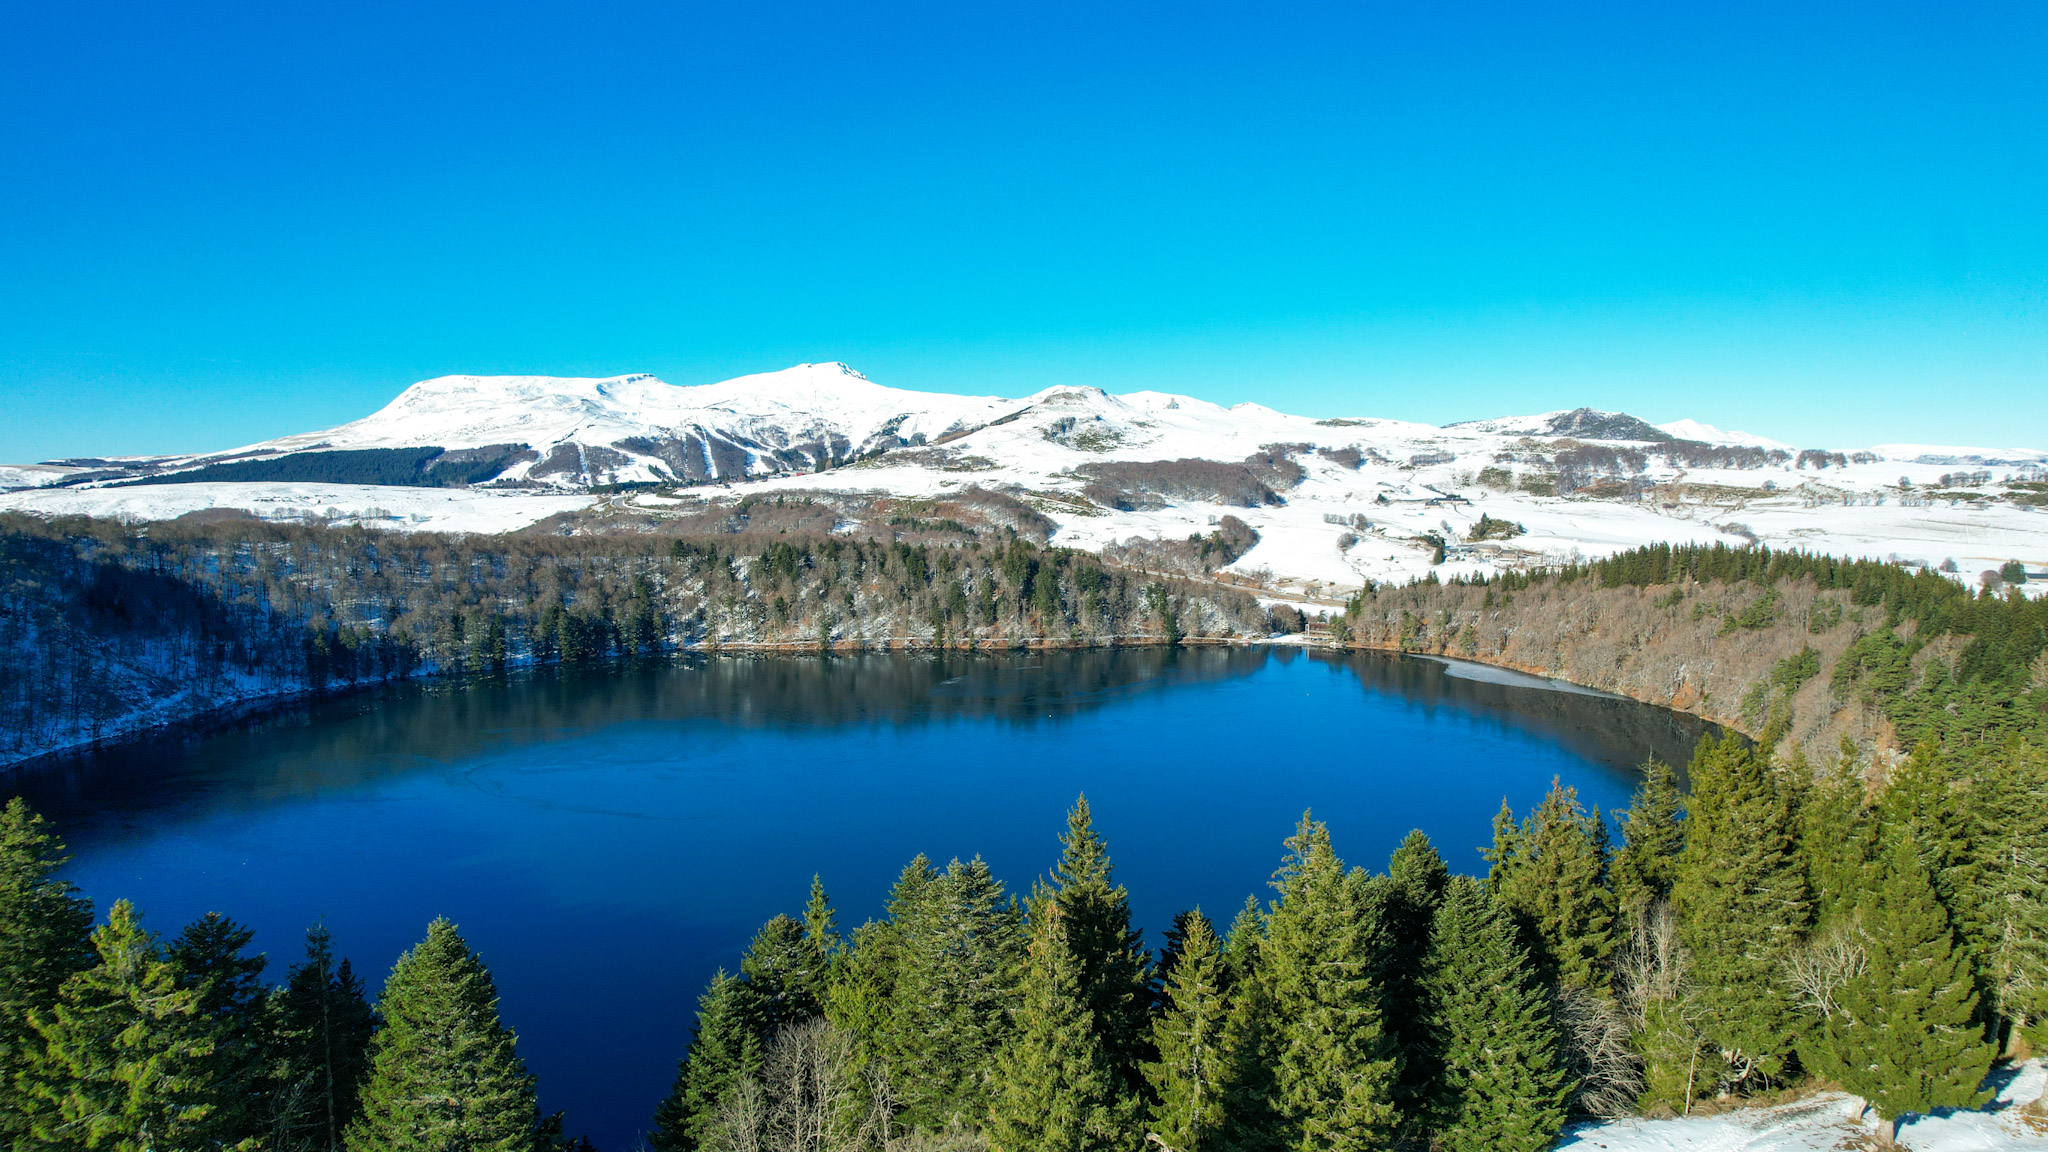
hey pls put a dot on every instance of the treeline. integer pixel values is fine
(104, 626)
(1797, 648)
(113, 1037)
(1764, 932)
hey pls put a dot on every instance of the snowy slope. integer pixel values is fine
(1336, 502)
(1833, 1121)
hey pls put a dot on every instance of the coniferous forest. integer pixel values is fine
(1757, 923)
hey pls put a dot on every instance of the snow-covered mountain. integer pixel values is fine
(1335, 501)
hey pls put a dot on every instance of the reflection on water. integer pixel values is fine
(356, 739)
(609, 838)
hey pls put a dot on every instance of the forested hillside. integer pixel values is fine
(1799, 650)
(105, 627)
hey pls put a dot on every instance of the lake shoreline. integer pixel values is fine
(241, 711)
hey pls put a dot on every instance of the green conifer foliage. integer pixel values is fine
(1334, 1061)
(1838, 839)
(1114, 965)
(784, 969)
(1902, 1033)
(321, 1024)
(1056, 1089)
(961, 948)
(820, 926)
(208, 959)
(1497, 1078)
(444, 1072)
(2005, 903)
(1241, 943)
(1551, 873)
(125, 1057)
(45, 937)
(1250, 1039)
(1417, 876)
(1925, 797)
(1189, 1078)
(1742, 905)
(1653, 837)
(724, 1050)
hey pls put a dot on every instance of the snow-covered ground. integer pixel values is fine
(1371, 495)
(377, 506)
(1829, 1122)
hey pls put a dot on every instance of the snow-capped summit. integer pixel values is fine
(1335, 502)
(1708, 434)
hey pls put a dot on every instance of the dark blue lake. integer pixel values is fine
(606, 840)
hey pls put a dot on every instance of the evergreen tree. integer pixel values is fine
(444, 1072)
(1250, 1039)
(1418, 876)
(124, 1062)
(1114, 969)
(1925, 798)
(1837, 839)
(1241, 943)
(1497, 1078)
(1335, 1064)
(1742, 905)
(45, 938)
(1551, 874)
(1189, 1078)
(321, 1024)
(820, 927)
(1903, 1035)
(724, 1051)
(2005, 904)
(1056, 1088)
(784, 969)
(961, 948)
(1653, 837)
(208, 959)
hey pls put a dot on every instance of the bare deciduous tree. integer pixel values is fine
(1818, 969)
(1597, 1052)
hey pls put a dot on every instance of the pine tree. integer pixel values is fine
(861, 998)
(1903, 1035)
(1742, 906)
(321, 1024)
(1114, 965)
(1241, 943)
(444, 1072)
(1653, 837)
(784, 968)
(1497, 1078)
(2005, 904)
(45, 938)
(820, 927)
(1418, 876)
(208, 959)
(724, 1051)
(1925, 798)
(1056, 1088)
(125, 1050)
(963, 977)
(1837, 839)
(1335, 1064)
(1250, 1039)
(1551, 874)
(1189, 1078)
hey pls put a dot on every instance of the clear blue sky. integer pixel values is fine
(1824, 223)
